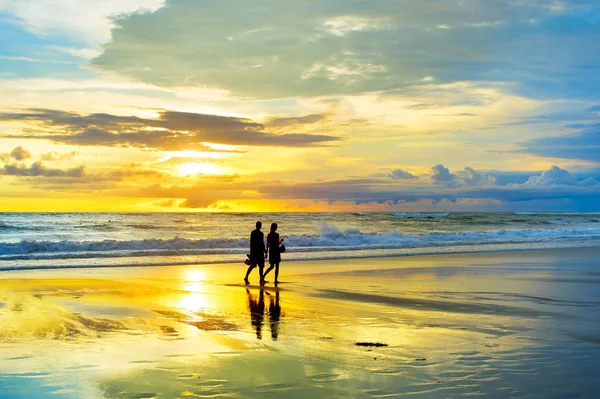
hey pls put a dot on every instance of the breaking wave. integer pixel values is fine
(421, 215)
(330, 238)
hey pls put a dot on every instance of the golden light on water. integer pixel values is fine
(196, 300)
(195, 275)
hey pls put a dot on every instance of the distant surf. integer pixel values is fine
(110, 239)
(421, 215)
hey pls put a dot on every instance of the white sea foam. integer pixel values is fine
(364, 254)
(421, 215)
(106, 240)
(331, 238)
(556, 213)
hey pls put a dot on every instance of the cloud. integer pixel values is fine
(86, 20)
(40, 176)
(556, 176)
(287, 121)
(20, 153)
(171, 131)
(57, 156)
(583, 145)
(595, 108)
(440, 174)
(297, 49)
(399, 174)
(168, 203)
(555, 189)
(474, 178)
(38, 169)
(555, 184)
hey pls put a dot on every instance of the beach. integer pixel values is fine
(501, 325)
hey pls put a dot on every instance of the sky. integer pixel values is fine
(304, 105)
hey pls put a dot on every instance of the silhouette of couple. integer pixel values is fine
(258, 253)
(257, 313)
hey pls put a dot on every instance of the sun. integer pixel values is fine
(195, 168)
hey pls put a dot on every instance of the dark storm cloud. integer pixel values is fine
(170, 131)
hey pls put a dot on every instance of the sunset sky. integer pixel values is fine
(305, 105)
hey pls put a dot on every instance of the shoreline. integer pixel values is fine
(319, 267)
(426, 254)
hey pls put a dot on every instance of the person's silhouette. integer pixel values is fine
(257, 311)
(273, 243)
(257, 252)
(274, 316)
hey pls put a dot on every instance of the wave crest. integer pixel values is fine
(421, 215)
(330, 238)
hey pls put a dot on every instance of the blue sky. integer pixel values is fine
(375, 105)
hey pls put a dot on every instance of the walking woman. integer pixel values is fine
(273, 243)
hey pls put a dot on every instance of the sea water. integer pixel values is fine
(66, 240)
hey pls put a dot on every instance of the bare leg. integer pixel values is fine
(276, 273)
(262, 276)
(267, 272)
(247, 274)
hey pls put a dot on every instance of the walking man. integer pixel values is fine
(257, 252)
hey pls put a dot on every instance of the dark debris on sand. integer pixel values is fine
(371, 344)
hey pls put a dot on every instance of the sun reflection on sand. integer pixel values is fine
(197, 299)
(194, 303)
(194, 275)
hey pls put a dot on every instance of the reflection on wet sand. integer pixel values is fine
(172, 335)
(274, 315)
(257, 312)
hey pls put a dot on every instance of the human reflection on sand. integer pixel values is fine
(257, 312)
(274, 316)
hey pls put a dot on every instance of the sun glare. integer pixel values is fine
(219, 147)
(194, 302)
(193, 154)
(194, 168)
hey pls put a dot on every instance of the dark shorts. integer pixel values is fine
(274, 257)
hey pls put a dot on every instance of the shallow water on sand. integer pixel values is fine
(518, 325)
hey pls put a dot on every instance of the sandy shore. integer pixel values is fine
(522, 324)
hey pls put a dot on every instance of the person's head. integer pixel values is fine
(258, 225)
(273, 227)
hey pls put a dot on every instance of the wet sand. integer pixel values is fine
(502, 325)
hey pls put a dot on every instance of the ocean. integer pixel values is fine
(74, 240)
